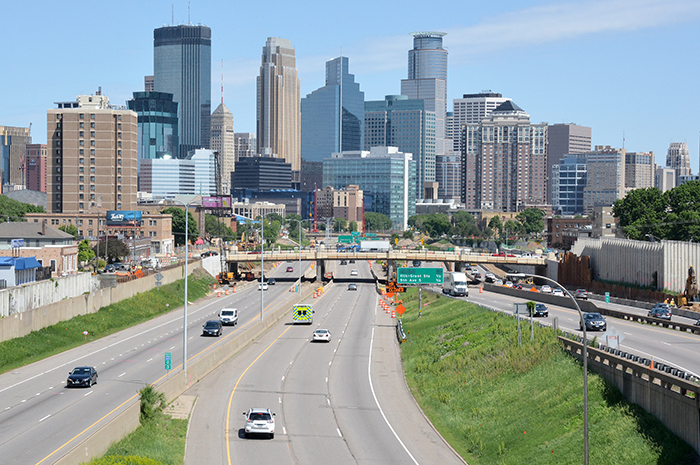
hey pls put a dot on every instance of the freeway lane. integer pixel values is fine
(35, 404)
(343, 402)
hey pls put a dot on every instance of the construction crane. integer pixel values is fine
(224, 277)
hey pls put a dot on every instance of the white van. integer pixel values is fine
(228, 316)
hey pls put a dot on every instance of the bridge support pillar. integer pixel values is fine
(320, 269)
(390, 270)
(448, 266)
(459, 266)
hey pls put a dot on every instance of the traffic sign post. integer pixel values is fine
(168, 361)
(419, 276)
(607, 297)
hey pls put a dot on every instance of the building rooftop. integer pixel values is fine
(23, 230)
(507, 107)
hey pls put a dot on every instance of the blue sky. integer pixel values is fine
(627, 67)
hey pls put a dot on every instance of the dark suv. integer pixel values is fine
(660, 312)
(594, 322)
(212, 328)
(540, 310)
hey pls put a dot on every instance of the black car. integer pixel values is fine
(416, 263)
(212, 328)
(594, 322)
(210, 253)
(352, 261)
(110, 268)
(82, 376)
(662, 313)
(540, 310)
(343, 262)
(352, 287)
(271, 281)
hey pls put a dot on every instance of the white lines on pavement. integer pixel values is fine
(284, 430)
(625, 332)
(172, 348)
(37, 394)
(112, 358)
(88, 393)
(149, 360)
(122, 354)
(7, 408)
(339, 434)
(291, 362)
(121, 375)
(326, 379)
(47, 416)
(50, 388)
(104, 363)
(328, 401)
(329, 363)
(23, 401)
(666, 343)
(190, 338)
(280, 399)
(282, 378)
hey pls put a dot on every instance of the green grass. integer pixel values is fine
(160, 440)
(498, 403)
(51, 340)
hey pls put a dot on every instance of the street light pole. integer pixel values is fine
(262, 264)
(585, 358)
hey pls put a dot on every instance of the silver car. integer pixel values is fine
(259, 421)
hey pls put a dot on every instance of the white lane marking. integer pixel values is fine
(284, 430)
(121, 354)
(191, 337)
(149, 360)
(172, 348)
(88, 393)
(371, 386)
(280, 399)
(121, 375)
(50, 388)
(24, 400)
(282, 378)
(338, 429)
(328, 401)
(104, 363)
(7, 408)
(625, 332)
(38, 393)
(47, 416)
(326, 379)
(329, 363)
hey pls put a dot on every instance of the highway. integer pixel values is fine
(41, 419)
(342, 402)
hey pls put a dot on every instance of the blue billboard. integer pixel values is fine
(124, 218)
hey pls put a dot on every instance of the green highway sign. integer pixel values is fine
(371, 234)
(345, 239)
(419, 276)
(355, 233)
(168, 361)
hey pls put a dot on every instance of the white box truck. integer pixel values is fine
(455, 283)
(375, 246)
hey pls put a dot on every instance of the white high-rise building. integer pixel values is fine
(471, 109)
(678, 158)
(223, 141)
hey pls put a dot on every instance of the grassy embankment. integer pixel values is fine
(69, 334)
(497, 403)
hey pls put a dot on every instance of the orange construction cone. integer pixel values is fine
(226, 292)
(393, 314)
(218, 294)
(214, 287)
(234, 289)
(481, 289)
(652, 363)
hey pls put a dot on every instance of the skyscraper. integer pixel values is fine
(278, 104)
(564, 139)
(568, 184)
(471, 109)
(678, 158)
(92, 156)
(13, 152)
(182, 67)
(406, 124)
(639, 170)
(605, 177)
(427, 80)
(36, 167)
(244, 143)
(158, 124)
(333, 115)
(504, 158)
(223, 141)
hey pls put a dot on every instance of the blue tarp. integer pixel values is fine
(20, 263)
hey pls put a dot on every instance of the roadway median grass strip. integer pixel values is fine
(498, 403)
(60, 337)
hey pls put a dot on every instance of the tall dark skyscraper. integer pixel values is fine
(182, 67)
(323, 129)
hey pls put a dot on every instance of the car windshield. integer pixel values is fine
(81, 371)
(540, 306)
(321, 331)
(593, 316)
(259, 416)
(227, 312)
(212, 324)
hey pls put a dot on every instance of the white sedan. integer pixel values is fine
(558, 292)
(262, 286)
(546, 289)
(321, 335)
(353, 273)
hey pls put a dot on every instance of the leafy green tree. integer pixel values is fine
(291, 218)
(275, 217)
(70, 229)
(495, 223)
(642, 212)
(532, 220)
(513, 227)
(437, 224)
(13, 210)
(272, 231)
(116, 250)
(683, 217)
(339, 224)
(377, 221)
(466, 229)
(179, 225)
(85, 253)
(352, 226)
(461, 216)
(408, 234)
(217, 228)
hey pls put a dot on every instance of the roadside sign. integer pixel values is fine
(355, 233)
(345, 239)
(613, 338)
(419, 276)
(371, 234)
(607, 297)
(168, 361)
(16, 243)
(400, 309)
(159, 278)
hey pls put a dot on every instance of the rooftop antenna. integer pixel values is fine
(172, 14)
(623, 139)
(222, 81)
(188, 14)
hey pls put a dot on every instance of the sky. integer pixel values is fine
(629, 69)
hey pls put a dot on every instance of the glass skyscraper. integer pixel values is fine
(157, 124)
(182, 67)
(568, 184)
(323, 130)
(399, 122)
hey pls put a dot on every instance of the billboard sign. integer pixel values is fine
(124, 218)
(216, 202)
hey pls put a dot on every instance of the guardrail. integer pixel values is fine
(400, 335)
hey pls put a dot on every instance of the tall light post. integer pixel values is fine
(299, 244)
(585, 357)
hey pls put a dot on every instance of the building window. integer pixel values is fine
(82, 143)
(92, 143)
(119, 125)
(92, 169)
(82, 133)
(89, 222)
(92, 116)
(82, 151)
(82, 125)
(119, 188)
(119, 144)
(82, 188)
(92, 161)
(82, 116)
(92, 188)
(92, 178)
(92, 196)
(119, 170)
(82, 169)
(92, 133)
(92, 151)
(152, 234)
(119, 179)
(119, 152)
(119, 196)
(92, 125)
(119, 117)
(82, 178)
(119, 162)
(119, 206)
(119, 135)
(82, 196)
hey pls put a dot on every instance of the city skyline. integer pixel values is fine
(622, 68)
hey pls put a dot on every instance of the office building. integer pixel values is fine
(311, 175)
(182, 67)
(564, 139)
(427, 80)
(664, 178)
(278, 104)
(504, 158)
(92, 159)
(385, 173)
(639, 170)
(406, 124)
(148, 84)
(194, 175)
(605, 177)
(223, 141)
(36, 167)
(568, 184)
(333, 117)
(471, 109)
(244, 144)
(262, 173)
(347, 203)
(448, 176)
(13, 152)
(678, 158)
(157, 125)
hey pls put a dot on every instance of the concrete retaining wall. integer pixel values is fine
(585, 305)
(30, 296)
(23, 323)
(646, 264)
(212, 264)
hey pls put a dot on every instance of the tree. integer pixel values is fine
(531, 219)
(291, 218)
(339, 224)
(437, 224)
(272, 231)
(70, 229)
(642, 212)
(408, 234)
(179, 225)
(14, 210)
(394, 238)
(495, 223)
(275, 217)
(352, 226)
(85, 253)
(683, 218)
(461, 216)
(216, 228)
(116, 250)
(377, 221)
